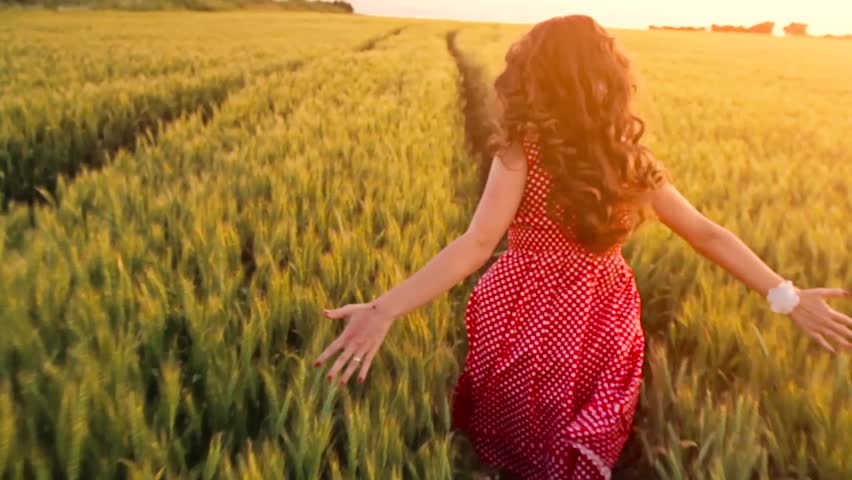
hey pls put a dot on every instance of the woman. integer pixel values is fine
(554, 371)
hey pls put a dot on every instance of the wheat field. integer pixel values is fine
(182, 193)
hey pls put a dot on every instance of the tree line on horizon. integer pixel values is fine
(794, 29)
(328, 6)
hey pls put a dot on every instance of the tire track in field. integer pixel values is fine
(151, 128)
(478, 124)
(371, 43)
(472, 98)
(472, 101)
(145, 129)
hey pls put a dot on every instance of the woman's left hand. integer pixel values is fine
(362, 337)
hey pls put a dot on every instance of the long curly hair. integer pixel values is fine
(568, 88)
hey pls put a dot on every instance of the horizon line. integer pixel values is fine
(778, 25)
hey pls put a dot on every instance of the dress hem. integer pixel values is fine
(499, 463)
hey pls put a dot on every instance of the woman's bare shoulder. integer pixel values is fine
(514, 155)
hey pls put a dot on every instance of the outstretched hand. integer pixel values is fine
(361, 339)
(819, 320)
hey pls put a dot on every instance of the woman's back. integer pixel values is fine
(556, 349)
(532, 229)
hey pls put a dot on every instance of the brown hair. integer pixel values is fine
(568, 88)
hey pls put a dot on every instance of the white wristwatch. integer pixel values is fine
(783, 298)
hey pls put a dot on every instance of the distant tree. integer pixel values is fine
(765, 28)
(346, 6)
(686, 29)
(796, 29)
(336, 6)
(726, 28)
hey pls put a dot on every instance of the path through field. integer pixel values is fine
(183, 193)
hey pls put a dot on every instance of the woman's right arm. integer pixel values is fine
(722, 247)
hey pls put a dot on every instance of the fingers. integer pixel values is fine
(337, 344)
(368, 360)
(341, 361)
(350, 369)
(822, 322)
(841, 318)
(341, 312)
(840, 328)
(822, 341)
(843, 341)
(332, 348)
(821, 333)
(835, 332)
(831, 324)
(362, 337)
(831, 292)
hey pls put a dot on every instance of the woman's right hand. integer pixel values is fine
(819, 320)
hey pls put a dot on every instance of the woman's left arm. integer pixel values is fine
(369, 322)
(453, 264)
(467, 253)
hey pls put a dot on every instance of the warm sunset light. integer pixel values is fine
(823, 16)
(425, 239)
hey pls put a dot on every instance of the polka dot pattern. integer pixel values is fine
(553, 374)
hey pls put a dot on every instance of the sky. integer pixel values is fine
(822, 16)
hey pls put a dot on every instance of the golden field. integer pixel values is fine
(182, 193)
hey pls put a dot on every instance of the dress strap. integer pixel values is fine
(532, 151)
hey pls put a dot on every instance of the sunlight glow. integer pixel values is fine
(823, 16)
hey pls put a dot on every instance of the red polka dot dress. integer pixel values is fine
(554, 368)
